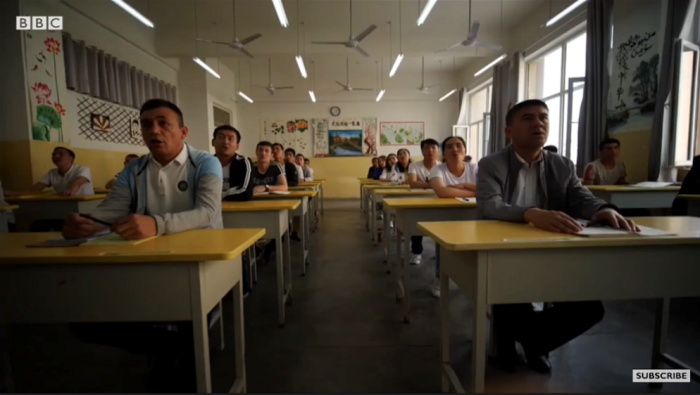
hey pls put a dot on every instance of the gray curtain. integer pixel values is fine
(504, 95)
(93, 72)
(662, 126)
(592, 127)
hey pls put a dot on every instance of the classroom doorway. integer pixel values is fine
(221, 116)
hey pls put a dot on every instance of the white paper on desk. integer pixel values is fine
(647, 231)
(61, 240)
(280, 193)
(606, 231)
(651, 184)
(467, 200)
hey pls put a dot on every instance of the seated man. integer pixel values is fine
(236, 168)
(67, 179)
(290, 170)
(606, 170)
(127, 160)
(303, 163)
(173, 189)
(524, 183)
(268, 176)
(290, 157)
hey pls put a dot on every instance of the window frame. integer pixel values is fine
(694, 107)
(479, 126)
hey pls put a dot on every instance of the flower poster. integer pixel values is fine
(401, 133)
(291, 133)
(44, 62)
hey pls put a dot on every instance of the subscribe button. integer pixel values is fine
(661, 376)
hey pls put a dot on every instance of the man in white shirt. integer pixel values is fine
(606, 170)
(68, 179)
(418, 176)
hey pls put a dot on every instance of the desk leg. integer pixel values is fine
(480, 320)
(373, 219)
(405, 275)
(386, 238)
(445, 329)
(289, 267)
(240, 384)
(200, 329)
(362, 200)
(660, 336)
(303, 243)
(7, 381)
(281, 289)
(397, 268)
(323, 195)
(221, 324)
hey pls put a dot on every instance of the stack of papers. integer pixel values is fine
(652, 184)
(606, 231)
(467, 200)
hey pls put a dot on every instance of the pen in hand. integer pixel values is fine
(96, 220)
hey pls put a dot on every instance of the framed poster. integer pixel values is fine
(401, 133)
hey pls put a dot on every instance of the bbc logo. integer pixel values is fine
(39, 23)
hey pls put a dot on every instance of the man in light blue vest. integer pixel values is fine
(173, 189)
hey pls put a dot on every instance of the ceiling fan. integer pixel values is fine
(353, 42)
(346, 86)
(425, 89)
(471, 40)
(270, 88)
(237, 45)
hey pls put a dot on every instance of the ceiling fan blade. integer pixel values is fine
(329, 42)
(365, 33)
(260, 86)
(341, 84)
(363, 89)
(212, 42)
(474, 31)
(284, 87)
(362, 51)
(489, 46)
(251, 38)
(449, 48)
(246, 53)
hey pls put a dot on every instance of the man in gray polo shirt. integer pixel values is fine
(524, 183)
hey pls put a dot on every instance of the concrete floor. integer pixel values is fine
(344, 333)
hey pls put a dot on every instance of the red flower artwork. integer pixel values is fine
(291, 127)
(43, 93)
(59, 108)
(52, 45)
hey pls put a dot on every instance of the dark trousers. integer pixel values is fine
(540, 332)
(416, 245)
(47, 225)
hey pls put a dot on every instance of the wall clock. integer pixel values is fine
(335, 111)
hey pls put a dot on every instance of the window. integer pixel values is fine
(686, 105)
(479, 109)
(557, 79)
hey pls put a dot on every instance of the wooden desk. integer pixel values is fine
(369, 200)
(51, 207)
(5, 216)
(363, 183)
(498, 262)
(302, 211)
(625, 197)
(408, 213)
(191, 271)
(693, 204)
(313, 186)
(273, 216)
(378, 194)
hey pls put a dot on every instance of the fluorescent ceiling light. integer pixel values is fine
(448, 94)
(488, 66)
(300, 63)
(381, 93)
(126, 7)
(396, 65)
(312, 96)
(426, 11)
(206, 67)
(564, 13)
(279, 8)
(243, 95)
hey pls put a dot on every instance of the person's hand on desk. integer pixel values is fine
(608, 216)
(258, 190)
(135, 227)
(77, 227)
(553, 221)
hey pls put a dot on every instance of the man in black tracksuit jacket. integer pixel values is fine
(236, 168)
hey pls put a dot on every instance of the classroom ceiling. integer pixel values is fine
(329, 20)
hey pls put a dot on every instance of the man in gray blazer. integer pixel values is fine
(524, 183)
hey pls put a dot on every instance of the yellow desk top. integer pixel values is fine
(387, 186)
(373, 182)
(191, 246)
(9, 207)
(312, 182)
(497, 235)
(689, 197)
(624, 188)
(427, 202)
(401, 191)
(304, 187)
(291, 195)
(260, 205)
(53, 198)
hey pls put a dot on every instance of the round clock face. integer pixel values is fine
(335, 111)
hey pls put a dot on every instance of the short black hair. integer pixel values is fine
(278, 144)
(300, 154)
(288, 150)
(158, 103)
(229, 128)
(70, 153)
(429, 142)
(132, 156)
(264, 144)
(608, 141)
(551, 148)
(453, 137)
(306, 160)
(521, 106)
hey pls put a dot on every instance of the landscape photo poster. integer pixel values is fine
(291, 133)
(345, 137)
(401, 133)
